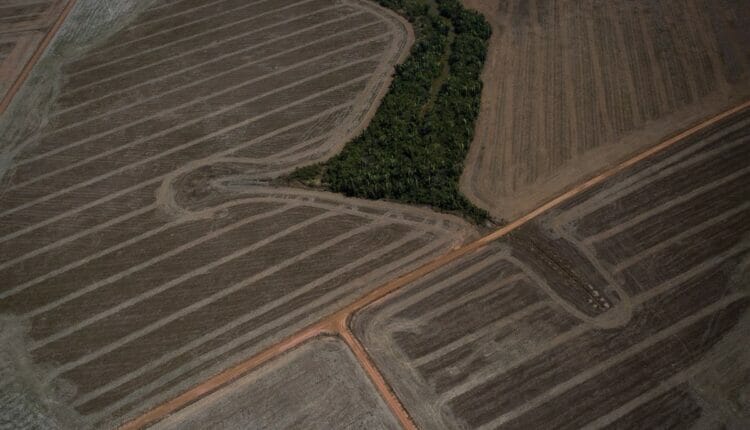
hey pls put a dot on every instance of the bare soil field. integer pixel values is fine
(624, 307)
(317, 386)
(573, 86)
(23, 27)
(141, 247)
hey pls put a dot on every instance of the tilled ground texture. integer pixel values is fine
(139, 245)
(626, 307)
(23, 25)
(319, 385)
(573, 86)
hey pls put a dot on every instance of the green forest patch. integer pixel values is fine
(414, 148)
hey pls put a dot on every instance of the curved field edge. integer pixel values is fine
(414, 148)
(37, 122)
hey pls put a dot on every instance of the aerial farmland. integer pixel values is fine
(574, 86)
(618, 309)
(348, 214)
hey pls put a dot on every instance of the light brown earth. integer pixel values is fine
(625, 306)
(724, 379)
(141, 246)
(573, 86)
(318, 385)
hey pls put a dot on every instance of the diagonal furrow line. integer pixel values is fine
(145, 235)
(694, 271)
(26, 17)
(214, 60)
(190, 122)
(286, 155)
(163, 4)
(718, 219)
(211, 30)
(473, 295)
(191, 51)
(654, 211)
(81, 208)
(593, 371)
(77, 235)
(157, 230)
(133, 269)
(138, 186)
(162, 18)
(425, 319)
(445, 283)
(111, 311)
(219, 294)
(480, 333)
(181, 11)
(657, 171)
(236, 323)
(484, 375)
(202, 98)
(612, 416)
(167, 285)
(101, 226)
(104, 49)
(183, 146)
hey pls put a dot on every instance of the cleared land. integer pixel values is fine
(138, 245)
(316, 386)
(631, 311)
(23, 26)
(572, 86)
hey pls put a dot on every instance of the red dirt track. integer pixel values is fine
(152, 264)
(25, 40)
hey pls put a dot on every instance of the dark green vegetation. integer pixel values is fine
(414, 148)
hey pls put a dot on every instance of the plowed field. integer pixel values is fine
(574, 86)
(140, 245)
(626, 307)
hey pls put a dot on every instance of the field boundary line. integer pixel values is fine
(227, 348)
(192, 36)
(483, 331)
(338, 322)
(228, 110)
(592, 372)
(153, 181)
(188, 144)
(183, 54)
(660, 209)
(161, 31)
(609, 418)
(31, 62)
(189, 68)
(196, 83)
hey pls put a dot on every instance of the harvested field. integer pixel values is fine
(573, 86)
(624, 307)
(23, 26)
(141, 247)
(322, 375)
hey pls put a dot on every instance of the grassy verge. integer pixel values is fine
(414, 148)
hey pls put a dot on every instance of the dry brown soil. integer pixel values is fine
(624, 307)
(573, 86)
(316, 386)
(140, 244)
(142, 251)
